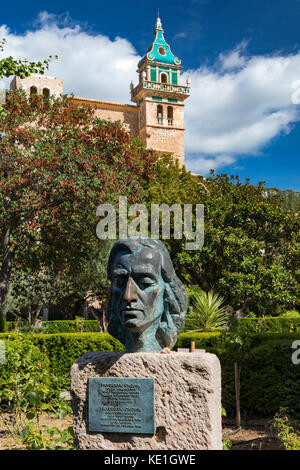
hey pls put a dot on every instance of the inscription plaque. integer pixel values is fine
(124, 405)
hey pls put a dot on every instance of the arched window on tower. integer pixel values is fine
(170, 116)
(159, 114)
(33, 90)
(46, 92)
(164, 78)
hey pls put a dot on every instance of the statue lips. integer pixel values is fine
(130, 314)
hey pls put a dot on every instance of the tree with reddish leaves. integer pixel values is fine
(58, 162)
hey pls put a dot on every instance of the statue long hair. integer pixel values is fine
(175, 296)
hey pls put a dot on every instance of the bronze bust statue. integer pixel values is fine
(147, 304)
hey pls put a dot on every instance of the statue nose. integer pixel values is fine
(130, 291)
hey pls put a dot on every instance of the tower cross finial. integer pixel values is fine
(158, 22)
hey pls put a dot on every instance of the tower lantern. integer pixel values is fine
(160, 98)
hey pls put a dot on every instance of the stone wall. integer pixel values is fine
(163, 137)
(109, 111)
(139, 121)
(41, 82)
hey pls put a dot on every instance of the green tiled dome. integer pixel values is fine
(159, 50)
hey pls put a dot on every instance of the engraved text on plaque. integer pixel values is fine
(121, 405)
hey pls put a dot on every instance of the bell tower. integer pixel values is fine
(160, 98)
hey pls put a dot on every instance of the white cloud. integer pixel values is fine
(236, 107)
(180, 35)
(234, 59)
(202, 164)
(91, 66)
(239, 112)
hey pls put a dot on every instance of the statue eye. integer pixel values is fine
(145, 282)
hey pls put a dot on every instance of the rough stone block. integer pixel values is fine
(187, 400)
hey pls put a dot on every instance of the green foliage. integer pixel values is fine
(206, 312)
(79, 324)
(24, 378)
(56, 326)
(22, 68)
(269, 379)
(2, 322)
(251, 252)
(25, 388)
(291, 314)
(71, 326)
(54, 174)
(63, 349)
(290, 200)
(227, 444)
(193, 291)
(37, 437)
(285, 432)
(202, 340)
(282, 324)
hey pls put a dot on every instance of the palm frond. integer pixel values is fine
(207, 312)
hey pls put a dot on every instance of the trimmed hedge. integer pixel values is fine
(202, 340)
(243, 326)
(70, 326)
(62, 326)
(269, 379)
(216, 339)
(268, 324)
(63, 349)
(26, 368)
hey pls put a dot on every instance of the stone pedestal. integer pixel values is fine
(187, 400)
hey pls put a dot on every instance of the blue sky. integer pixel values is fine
(243, 59)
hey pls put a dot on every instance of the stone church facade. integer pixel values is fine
(157, 115)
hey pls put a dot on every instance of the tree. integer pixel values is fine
(207, 312)
(22, 68)
(251, 245)
(57, 164)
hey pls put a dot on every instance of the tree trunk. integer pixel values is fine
(37, 312)
(45, 311)
(237, 373)
(6, 266)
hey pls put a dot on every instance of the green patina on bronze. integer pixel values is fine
(148, 301)
(121, 405)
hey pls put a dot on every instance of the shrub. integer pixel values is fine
(63, 349)
(61, 326)
(202, 340)
(282, 324)
(269, 379)
(206, 312)
(71, 326)
(291, 314)
(26, 371)
(285, 432)
(2, 323)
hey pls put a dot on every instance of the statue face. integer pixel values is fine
(138, 288)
